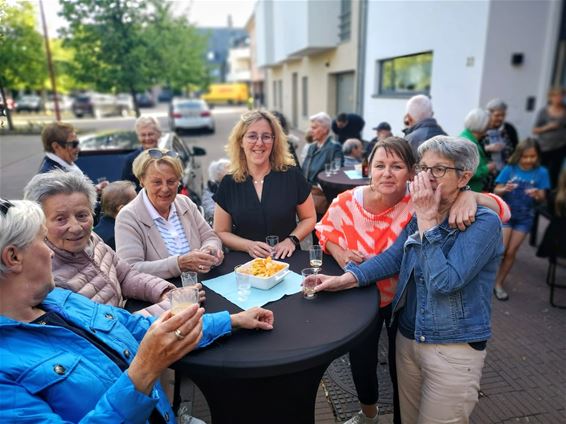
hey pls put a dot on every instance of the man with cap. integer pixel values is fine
(348, 125)
(382, 131)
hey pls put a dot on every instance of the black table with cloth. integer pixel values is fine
(335, 184)
(273, 376)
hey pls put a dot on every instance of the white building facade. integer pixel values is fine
(461, 53)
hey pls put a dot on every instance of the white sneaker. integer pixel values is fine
(360, 418)
(188, 419)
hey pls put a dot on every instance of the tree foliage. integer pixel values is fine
(22, 57)
(131, 45)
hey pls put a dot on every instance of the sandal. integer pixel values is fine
(500, 294)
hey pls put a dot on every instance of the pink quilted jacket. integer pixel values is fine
(104, 278)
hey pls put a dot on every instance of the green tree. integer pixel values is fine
(131, 45)
(22, 57)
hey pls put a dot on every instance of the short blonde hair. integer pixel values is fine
(280, 158)
(144, 161)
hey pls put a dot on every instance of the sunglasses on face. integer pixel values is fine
(4, 206)
(73, 143)
(158, 154)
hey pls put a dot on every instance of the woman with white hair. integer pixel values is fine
(501, 137)
(476, 124)
(443, 297)
(82, 262)
(148, 131)
(216, 171)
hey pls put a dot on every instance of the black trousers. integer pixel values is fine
(553, 161)
(363, 363)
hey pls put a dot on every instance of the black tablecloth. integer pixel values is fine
(306, 333)
(335, 184)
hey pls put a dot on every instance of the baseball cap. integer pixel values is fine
(383, 126)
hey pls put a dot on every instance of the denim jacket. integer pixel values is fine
(454, 272)
(50, 374)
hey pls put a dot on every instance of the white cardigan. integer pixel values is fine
(139, 242)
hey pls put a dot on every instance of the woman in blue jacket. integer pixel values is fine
(443, 299)
(67, 359)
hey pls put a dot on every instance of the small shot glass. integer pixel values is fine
(309, 284)
(243, 283)
(182, 298)
(315, 256)
(272, 241)
(189, 278)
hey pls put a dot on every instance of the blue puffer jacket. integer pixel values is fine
(50, 374)
(454, 272)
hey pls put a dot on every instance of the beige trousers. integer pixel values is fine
(438, 383)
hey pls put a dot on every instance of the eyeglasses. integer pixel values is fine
(437, 171)
(158, 154)
(265, 138)
(4, 206)
(73, 143)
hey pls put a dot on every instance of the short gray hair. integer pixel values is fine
(322, 118)
(350, 145)
(477, 120)
(42, 186)
(496, 104)
(19, 226)
(461, 151)
(217, 169)
(147, 121)
(419, 107)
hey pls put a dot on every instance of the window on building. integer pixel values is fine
(405, 75)
(305, 96)
(345, 25)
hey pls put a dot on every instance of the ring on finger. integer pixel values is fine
(179, 335)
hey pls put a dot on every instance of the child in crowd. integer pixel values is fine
(115, 196)
(522, 184)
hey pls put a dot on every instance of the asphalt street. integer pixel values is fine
(21, 155)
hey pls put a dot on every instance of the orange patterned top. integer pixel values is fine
(350, 226)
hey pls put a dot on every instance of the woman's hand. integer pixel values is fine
(333, 283)
(535, 193)
(168, 339)
(346, 255)
(284, 249)
(254, 318)
(259, 249)
(426, 201)
(197, 260)
(217, 253)
(463, 211)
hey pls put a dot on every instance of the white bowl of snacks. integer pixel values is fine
(264, 273)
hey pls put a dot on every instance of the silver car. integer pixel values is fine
(189, 114)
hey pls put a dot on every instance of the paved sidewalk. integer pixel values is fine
(524, 379)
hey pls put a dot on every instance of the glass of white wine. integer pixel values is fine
(315, 256)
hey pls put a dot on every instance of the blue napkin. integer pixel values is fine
(354, 174)
(225, 286)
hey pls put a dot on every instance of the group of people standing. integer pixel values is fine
(430, 244)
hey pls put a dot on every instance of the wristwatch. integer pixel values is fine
(294, 239)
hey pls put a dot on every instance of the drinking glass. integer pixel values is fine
(189, 278)
(337, 165)
(309, 285)
(315, 256)
(328, 169)
(243, 283)
(182, 298)
(272, 241)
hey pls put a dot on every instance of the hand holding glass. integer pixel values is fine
(182, 298)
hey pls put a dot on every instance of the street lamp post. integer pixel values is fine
(50, 63)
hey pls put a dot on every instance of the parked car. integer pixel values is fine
(30, 103)
(103, 155)
(125, 101)
(98, 105)
(185, 114)
(65, 103)
(165, 95)
(145, 100)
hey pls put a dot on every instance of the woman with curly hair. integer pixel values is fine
(263, 193)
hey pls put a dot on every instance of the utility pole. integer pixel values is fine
(50, 63)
